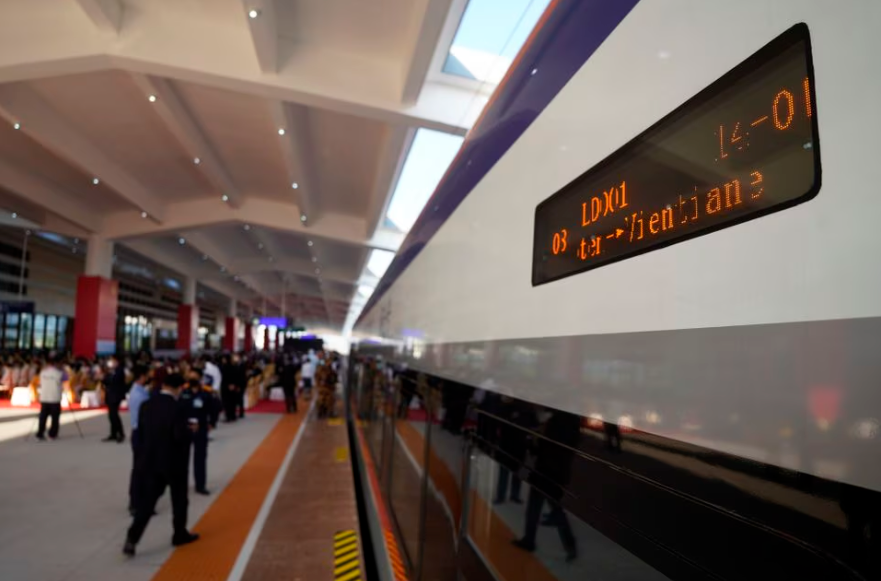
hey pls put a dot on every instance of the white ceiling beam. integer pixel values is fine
(423, 41)
(296, 150)
(48, 196)
(293, 266)
(42, 123)
(264, 32)
(188, 215)
(180, 122)
(396, 144)
(105, 14)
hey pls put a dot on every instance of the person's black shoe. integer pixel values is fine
(184, 539)
(132, 511)
(548, 520)
(203, 491)
(499, 501)
(522, 544)
(120, 439)
(571, 555)
(128, 549)
(109, 439)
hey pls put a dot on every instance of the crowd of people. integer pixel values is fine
(173, 407)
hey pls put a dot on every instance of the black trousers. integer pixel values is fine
(290, 400)
(558, 515)
(116, 430)
(229, 404)
(154, 487)
(502, 487)
(200, 458)
(136, 480)
(239, 396)
(48, 410)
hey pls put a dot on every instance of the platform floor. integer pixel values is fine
(63, 513)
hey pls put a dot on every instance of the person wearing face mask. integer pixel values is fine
(114, 387)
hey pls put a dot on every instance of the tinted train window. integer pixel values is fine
(743, 147)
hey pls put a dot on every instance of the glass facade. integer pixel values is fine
(35, 331)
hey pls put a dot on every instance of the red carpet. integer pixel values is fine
(4, 404)
(266, 406)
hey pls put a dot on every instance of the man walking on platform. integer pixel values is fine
(51, 379)
(115, 393)
(198, 405)
(138, 396)
(165, 435)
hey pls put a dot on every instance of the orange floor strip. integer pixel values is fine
(227, 522)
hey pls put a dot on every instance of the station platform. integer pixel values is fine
(282, 503)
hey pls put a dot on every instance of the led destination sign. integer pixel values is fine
(743, 147)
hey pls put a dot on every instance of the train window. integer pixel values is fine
(744, 147)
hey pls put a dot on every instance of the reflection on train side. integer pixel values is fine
(492, 487)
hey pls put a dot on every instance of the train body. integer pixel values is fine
(724, 374)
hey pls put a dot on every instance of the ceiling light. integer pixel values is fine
(222, 269)
(197, 161)
(76, 240)
(236, 278)
(533, 72)
(224, 197)
(253, 13)
(314, 259)
(317, 271)
(302, 217)
(181, 241)
(73, 250)
(295, 185)
(310, 243)
(95, 181)
(281, 130)
(204, 257)
(16, 125)
(152, 98)
(663, 55)
(271, 259)
(260, 246)
(143, 214)
(14, 215)
(247, 227)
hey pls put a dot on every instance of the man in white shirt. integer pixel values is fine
(51, 380)
(307, 374)
(213, 374)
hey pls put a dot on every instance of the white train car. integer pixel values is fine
(665, 225)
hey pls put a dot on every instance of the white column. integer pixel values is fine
(233, 308)
(99, 257)
(189, 294)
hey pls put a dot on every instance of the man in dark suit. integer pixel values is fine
(198, 407)
(114, 387)
(165, 435)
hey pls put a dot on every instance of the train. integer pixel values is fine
(635, 333)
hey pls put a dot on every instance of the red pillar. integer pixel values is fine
(249, 338)
(266, 338)
(187, 328)
(230, 334)
(97, 299)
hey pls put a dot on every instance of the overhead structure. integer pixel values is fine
(256, 145)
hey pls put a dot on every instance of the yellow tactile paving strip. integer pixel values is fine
(227, 522)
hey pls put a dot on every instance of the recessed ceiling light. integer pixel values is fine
(309, 243)
(247, 227)
(260, 246)
(76, 240)
(143, 214)
(314, 259)
(222, 269)
(533, 72)
(317, 271)
(295, 185)
(224, 197)
(302, 217)
(204, 257)
(281, 130)
(14, 215)
(197, 161)
(181, 241)
(16, 125)
(663, 55)
(95, 181)
(271, 259)
(253, 13)
(236, 278)
(73, 250)
(152, 98)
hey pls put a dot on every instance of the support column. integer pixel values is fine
(97, 299)
(266, 346)
(231, 333)
(249, 332)
(188, 318)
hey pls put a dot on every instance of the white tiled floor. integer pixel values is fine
(63, 504)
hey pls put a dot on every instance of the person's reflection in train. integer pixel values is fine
(553, 467)
(613, 436)
(456, 399)
(514, 443)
